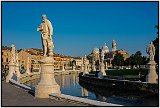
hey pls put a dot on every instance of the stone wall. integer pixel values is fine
(120, 84)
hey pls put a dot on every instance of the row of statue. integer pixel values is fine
(46, 30)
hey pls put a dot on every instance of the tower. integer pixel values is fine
(114, 45)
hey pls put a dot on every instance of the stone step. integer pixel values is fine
(83, 100)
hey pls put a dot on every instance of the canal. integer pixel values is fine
(70, 85)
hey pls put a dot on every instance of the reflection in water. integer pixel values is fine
(70, 85)
(100, 97)
(63, 80)
(84, 92)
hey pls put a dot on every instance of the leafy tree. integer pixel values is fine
(118, 60)
(156, 44)
(138, 58)
(145, 60)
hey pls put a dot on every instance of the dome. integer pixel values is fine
(95, 50)
(105, 48)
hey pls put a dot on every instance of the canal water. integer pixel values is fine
(70, 85)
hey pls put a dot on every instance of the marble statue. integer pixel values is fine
(151, 51)
(102, 66)
(47, 83)
(152, 76)
(46, 30)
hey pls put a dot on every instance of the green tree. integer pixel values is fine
(138, 58)
(118, 60)
(156, 44)
(145, 60)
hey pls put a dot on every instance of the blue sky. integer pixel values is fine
(81, 26)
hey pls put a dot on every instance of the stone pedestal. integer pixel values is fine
(17, 71)
(11, 71)
(152, 76)
(47, 82)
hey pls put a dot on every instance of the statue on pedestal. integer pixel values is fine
(46, 30)
(151, 51)
(12, 65)
(152, 76)
(102, 66)
(47, 82)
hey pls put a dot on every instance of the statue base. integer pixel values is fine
(17, 71)
(152, 76)
(47, 82)
(11, 71)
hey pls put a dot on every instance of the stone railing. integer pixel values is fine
(32, 76)
(28, 77)
(82, 100)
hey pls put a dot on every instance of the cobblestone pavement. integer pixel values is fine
(14, 96)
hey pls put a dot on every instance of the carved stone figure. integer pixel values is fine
(47, 83)
(46, 30)
(102, 66)
(152, 76)
(151, 51)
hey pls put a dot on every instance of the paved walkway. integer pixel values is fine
(14, 96)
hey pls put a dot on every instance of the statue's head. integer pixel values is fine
(151, 42)
(44, 17)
